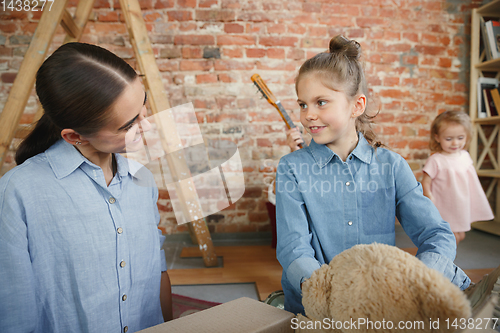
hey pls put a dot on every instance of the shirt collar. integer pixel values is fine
(64, 158)
(323, 155)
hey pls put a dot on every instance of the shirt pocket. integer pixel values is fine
(378, 211)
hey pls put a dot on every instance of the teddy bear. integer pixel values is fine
(380, 288)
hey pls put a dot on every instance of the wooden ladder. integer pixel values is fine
(74, 26)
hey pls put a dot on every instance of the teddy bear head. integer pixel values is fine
(375, 284)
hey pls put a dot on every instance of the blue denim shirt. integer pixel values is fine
(325, 206)
(71, 247)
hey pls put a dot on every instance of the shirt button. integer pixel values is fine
(122, 264)
(125, 329)
(350, 222)
(350, 157)
(347, 183)
(124, 297)
(112, 200)
(119, 230)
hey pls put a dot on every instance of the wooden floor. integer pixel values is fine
(252, 264)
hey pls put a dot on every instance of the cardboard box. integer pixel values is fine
(243, 315)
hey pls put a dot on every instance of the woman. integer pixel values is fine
(79, 243)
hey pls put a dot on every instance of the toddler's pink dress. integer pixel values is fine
(458, 194)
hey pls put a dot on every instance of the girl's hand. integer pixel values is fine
(294, 138)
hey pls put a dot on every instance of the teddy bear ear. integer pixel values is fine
(315, 293)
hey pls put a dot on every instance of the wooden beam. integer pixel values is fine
(159, 103)
(25, 79)
(69, 25)
(82, 13)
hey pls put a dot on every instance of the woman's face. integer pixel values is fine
(123, 133)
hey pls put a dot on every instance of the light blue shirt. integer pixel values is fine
(325, 206)
(77, 255)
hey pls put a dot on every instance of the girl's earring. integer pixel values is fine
(78, 143)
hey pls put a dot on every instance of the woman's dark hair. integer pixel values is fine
(342, 64)
(77, 86)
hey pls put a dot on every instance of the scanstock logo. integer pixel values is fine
(202, 178)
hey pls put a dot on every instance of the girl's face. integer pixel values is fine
(451, 137)
(328, 114)
(123, 134)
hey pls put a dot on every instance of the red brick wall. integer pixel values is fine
(417, 63)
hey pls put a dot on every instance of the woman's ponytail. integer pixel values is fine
(44, 135)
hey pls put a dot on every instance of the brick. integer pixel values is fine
(145, 4)
(108, 16)
(311, 7)
(195, 65)
(267, 6)
(187, 26)
(410, 60)
(282, 66)
(235, 40)
(207, 3)
(365, 22)
(256, 53)
(276, 28)
(391, 81)
(186, 3)
(152, 17)
(408, 131)
(192, 52)
(8, 77)
(318, 31)
(179, 15)
(444, 62)
(162, 4)
(12, 14)
(430, 50)
(275, 53)
(7, 27)
(394, 93)
(20, 40)
(215, 15)
(233, 28)
(296, 29)
(227, 77)
(315, 43)
(296, 54)
(194, 40)
(255, 17)
(259, 217)
(456, 100)
(419, 144)
(170, 53)
(167, 66)
(211, 52)
(232, 53)
(116, 28)
(19, 51)
(233, 4)
(206, 78)
(279, 41)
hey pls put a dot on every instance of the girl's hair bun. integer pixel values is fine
(343, 46)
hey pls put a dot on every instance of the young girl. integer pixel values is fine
(450, 179)
(343, 189)
(79, 243)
